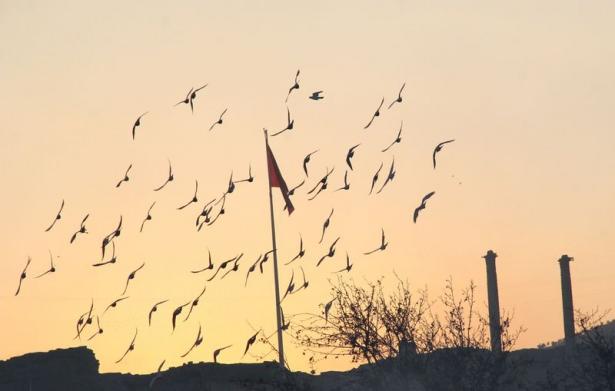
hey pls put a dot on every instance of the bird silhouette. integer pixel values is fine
(291, 286)
(22, 276)
(301, 252)
(223, 266)
(157, 376)
(99, 331)
(154, 309)
(131, 276)
(290, 124)
(219, 121)
(330, 254)
(250, 177)
(316, 95)
(305, 283)
(218, 351)
(350, 155)
(197, 342)
(107, 239)
(131, 347)
(325, 225)
(383, 244)
(148, 217)
(438, 149)
(252, 268)
(136, 124)
(209, 266)
(113, 258)
(79, 326)
(397, 138)
(328, 308)
(375, 178)
(295, 85)
(176, 312)
(321, 185)
(422, 206)
(58, 217)
(169, 178)
(195, 302)
(194, 198)
(81, 230)
(126, 178)
(306, 160)
(231, 185)
(390, 176)
(234, 268)
(186, 100)
(399, 99)
(250, 342)
(346, 184)
(376, 114)
(51, 269)
(264, 259)
(114, 304)
(193, 97)
(205, 212)
(348, 265)
(292, 191)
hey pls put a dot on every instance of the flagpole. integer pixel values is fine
(275, 268)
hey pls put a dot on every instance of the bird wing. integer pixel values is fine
(72, 238)
(370, 121)
(428, 196)
(375, 178)
(161, 186)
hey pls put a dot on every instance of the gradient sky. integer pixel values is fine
(526, 88)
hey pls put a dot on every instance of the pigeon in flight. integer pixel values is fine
(58, 217)
(328, 308)
(423, 205)
(107, 239)
(348, 265)
(323, 183)
(113, 258)
(131, 347)
(250, 177)
(291, 286)
(218, 351)
(292, 191)
(383, 244)
(330, 254)
(51, 269)
(375, 178)
(209, 266)
(193, 97)
(290, 124)
(390, 176)
(186, 100)
(126, 178)
(193, 199)
(223, 265)
(376, 114)
(131, 276)
(157, 376)
(325, 225)
(81, 230)
(169, 178)
(316, 95)
(252, 268)
(346, 184)
(197, 342)
(397, 139)
(176, 313)
(350, 155)
(250, 342)
(22, 276)
(301, 252)
(306, 160)
(438, 149)
(195, 302)
(154, 309)
(295, 85)
(114, 304)
(219, 121)
(136, 124)
(148, 217)
(399, 99)
(99, 331)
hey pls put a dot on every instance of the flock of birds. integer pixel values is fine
(213, 210)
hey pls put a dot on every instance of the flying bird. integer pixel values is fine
(348, 265)
(209, 266)
(22, 276)
(231, 185)
(376, 114)
(137, 123)
(205, 213)
(193, 97)
(219, 121)
(51, 269)
(383, 244)
(301, 252)
(397, 139)
(113, 258)
(250, 177)
(132, 276)
(328, 308)
(438, 149)
(325, 225)
(350, 155)
(375, 178)
(306, 160)
(195, 302)
(291, 286)
(131, 347)
(265, 259)
(305, 283)
(176, 313)
(323, 183)
(390, 176)
(58, 217)
(169, 178)
(346, 184)
(186, 100)
(197, 342)
(218, 351)
(316, 95)
(295, 85)
(126, 178)
(148, 217)
(290, 124)
(107, 239)
(114, 304)
(99, 331)
(252, 268)
(157, 376)
(234, 268)
(81, 230)
(250, 342)
(194, 197)
(399, 99)
(223, 266)
(154, 309)
(423, 205)
(292, 191)
(330, 254)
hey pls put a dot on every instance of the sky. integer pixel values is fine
(525, 88)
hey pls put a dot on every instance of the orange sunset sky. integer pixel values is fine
(526, 89)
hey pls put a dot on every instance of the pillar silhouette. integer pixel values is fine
(494, 303)
(568, 308)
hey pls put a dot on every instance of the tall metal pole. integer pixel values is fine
(275, 266)
(568, 309)
(494, 303)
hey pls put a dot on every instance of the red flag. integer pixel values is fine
(276, 180)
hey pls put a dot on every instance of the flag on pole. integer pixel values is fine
(276, 179)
